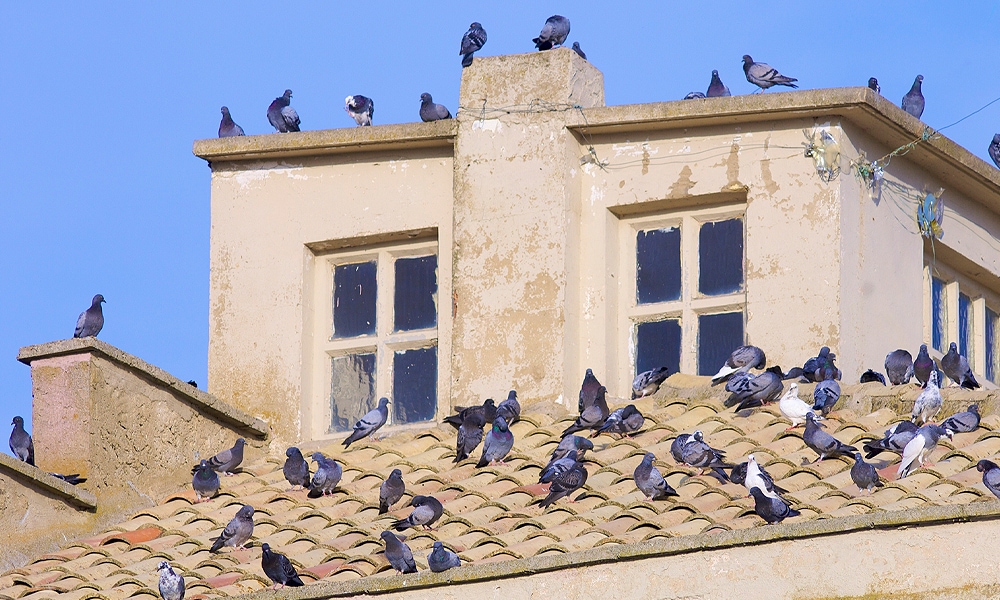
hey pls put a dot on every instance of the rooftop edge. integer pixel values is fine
(35, 477)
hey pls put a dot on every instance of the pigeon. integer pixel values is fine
(899, 367)
(748, 390)
(870, 376)
(571, 443)
(794, 408)
(73, 479)
(361, 109)
(470, 434)
(488, 411)
(695, 96)
(923, 365)
(822, 442)
(553, 33)
(442, 559)
(928, 403)
(648, 382)
(510, 409)
(697, 453)
(565, 484)
(913, 101)
(327, 476)
(764, 75)
(557, 467)
(398, 553)
(716, 88)
(772, 510)
(20, 442)
(578, 50)
(896, 438)
(624, 421)
(991, 476)
(225, 462)
(281, 115)
(677, 447)
(757, 477)
(592, 416)
(922, 444)
(228, 127)
(296, 469)
(821, 366)
(91, 321)
(237, 532)
(431, 111)
(426, 510)
(994, 149)
(589, 390)
(192, 383)
(957, 368)
(205, 481)
(278, 568)
(497, 444)
(473, 40)
(650, 481)
(873, 84)
(745, 357)
(369, 423)
(825, 396)
(864, 475)
(963, 422)
(391, 491)
(171, 584)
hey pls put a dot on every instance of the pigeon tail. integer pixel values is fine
(467, 60)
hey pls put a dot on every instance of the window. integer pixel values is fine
(939, 314)
(992, 353)
(966, 345)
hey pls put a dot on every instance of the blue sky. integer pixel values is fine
(101, 194)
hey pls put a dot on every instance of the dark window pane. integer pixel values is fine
(965, 329)
(354, 290)
(658, 344)
(416, 290)
(991, 345)
(939, 315)
(718, 336)
(414, 385)
(352, 390)
(720, 248)
(658, 265)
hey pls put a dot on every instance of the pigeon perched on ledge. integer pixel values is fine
(648, 382)
(957, 368)
(553, 33)
(398, 553)
(473, 41)
(430, 110)
(717, 89)
(91, 321)
(228, 127)
(361, 108)
(764, 75)
(873, 85)
(20, 442)
(744, 357)
(442, 559)
(994, 149)
(370, 423)
(579, 50)
(328, 475)
(899, 367)
(913, 101)
(281, 115)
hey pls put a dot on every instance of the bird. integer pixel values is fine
(913, 101)
(928, 403)
(648, 382)
(821, 366)
(923, 365)
(772, 510)
(565, 484)
(794, 408)
(922, 444)
(361, 108)
(225, 462)
(398, 553)
(822, 442)
(593, 416)
(899, 366)
(871, 376)
(278, 568)
(764, 75)
(825, 396)
(553, 33)
(488, 411)
(296, 469)
(873, 84)
(650, 481)
(205, 481)
(391, 491)
(963, 422)
(497, 443)
(578, 50)
(237, 532)
(171, 584)
(470, 434)
(327, 476)
(895, 439)
(72, 479)
(442, 559)
(994, 149)
(697, 453)
(557, 467)
(744, 357)
(281, 115)
(20, 442)
(473, 40)
(748, 390)
(510, 409)
(757, 477)
(624, 421)
(716, 88)
(228, 127)
(589, 390)
(677, 447)
(991, 476)
(91, 321)
(370, 423)
(864, 475)
(426, 510)
(571, 443)
(957, 368)
(694, 96)
(430, 110)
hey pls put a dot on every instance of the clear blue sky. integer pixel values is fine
(101, 194)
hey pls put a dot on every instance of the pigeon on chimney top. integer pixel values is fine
(228, 127)
(764, 75)
(361, 109)
(553, 33)
(473, 40)
(91, 321)
(281, 115)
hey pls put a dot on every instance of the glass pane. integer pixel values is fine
(939, 314)
(965, 328)
(414, 385)
(991, 345)
(718, 336)
(352, 390)
(658, 265)
(416, 291)
(354, 290)
(720, 260)
(658, 344)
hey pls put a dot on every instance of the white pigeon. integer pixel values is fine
(755, 479)
(928, 403)
(919, 447)
(793, 408)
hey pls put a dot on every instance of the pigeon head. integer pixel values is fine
(225, 111)
(426, 98)
(98, 300)
(918, 80)
(747, 60)
(857, 457)
(489, 402)
(583, 443)
(164, 565)
(793, 389)
(438, 546)
(318, 457)
(923, 347)
(648, 458)
(589, 373)
(933, 377)
(418, 501)
(698, 436)
(240, 442)
(974, 408)
(947, 432)
(396, 473)
(383, 402)
(824, 352)
(475, 25)
(512, 395)
(715, 72)
(985, 465)
(293, 451)
(265, 548)
(388, 535)
(872, 82)
(17, 422)
(953, 347)
(751, 459)
(757, 493)
(246, 512)
(287, 95)
(349, 102)
(499, 424)
(996, 138)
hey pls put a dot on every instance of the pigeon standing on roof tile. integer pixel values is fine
(510, 409)
(91, 321)
(899, 367)
(744, 357)
(716, 88)
(824, 367)
(473, 41)
(228, 127)
(589, 390)
(963, 422)
(772, 510)
(398, 553)
(650, 481)
(488, 411)
(20, 442)
(237, 532)
(553, 33)
(227, 461)
(822, 442)
(957, 368)
(648, 382)
(497, 443)
(757, 477)
(327, 476)
(565, 484)
(470, 434)
(593, 416)
(991, 475)
(871, 375)
(426, 510)
(923, 365)
(391, 491)
(764, 75)
(994, 149)
(913, 101)
(864, 475)
(296, 469)
(278, 568)
(361, 108)
(928, 403)
(677, 447)
(281, 115)
(794, 408)
(922, 444)
(873, 85)
(432, 111)
(697, 453)
(558, 466)
(370, 423)
(579, 50)
(896, 438)
(442, 559)
(624, 421)
(748, 390)
(205, 481)
(571, 443)
(171, 584)
(825, 396)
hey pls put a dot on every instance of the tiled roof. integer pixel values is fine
(488, 513)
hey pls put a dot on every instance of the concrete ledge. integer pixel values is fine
(39, 479)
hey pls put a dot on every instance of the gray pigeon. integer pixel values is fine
(825, 396)
(361, 108)
(716, 88)
(228, 127)
(994, 149)
(296, 469)
(470, 434)
(510, 409)
(697, 453)
(558, 466)
(764, 75)
(748, 390)
(677, 447)
(498, 443)
(744, 357)
(648, 382)
(398, 553)
(695, 96)
(442, 559)
(772, 510)
(896, 438)
(327, 476)
(391, 491)
(650, 481)
(20, 442)
(899, 367)
(928, 403)
(565, 484)
(624, 422)
(913, 101)
(589, 391)
(822, 442)
(871, 376)
(281, 115)
(205, 482)
(91, 321)
(873, 85)
(957, 368)
(821, 366)
(922, 444)
(72, 479)
(431, 111)
(237, 532)
(553, 33)
(991, 476)
(963, 422)
(473, 40)
(426, 510)
(370, 423)
(864, 475)
(171, 584)
(923, 365)
(593, 416)
(278, 568)
(571, 443)
(488, 412)
(225, 462)
(578, 50)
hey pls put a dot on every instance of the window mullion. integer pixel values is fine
(689, 277)
(383, 310)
